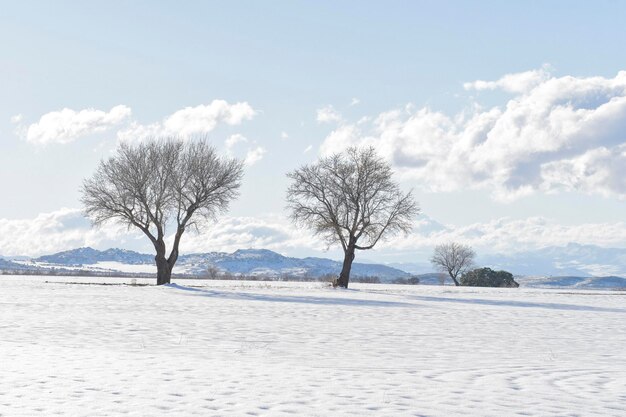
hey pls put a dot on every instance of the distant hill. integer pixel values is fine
(256, 262)
(605, 282)
(89, 256)
(6, 265)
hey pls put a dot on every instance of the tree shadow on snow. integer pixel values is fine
(524, 304)
(289, 298)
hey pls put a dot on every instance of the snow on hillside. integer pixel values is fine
(262, 262)
(90, 256)
(244, 261)
(9, 265)
(122, 267)
(609, 282)
(217, 348)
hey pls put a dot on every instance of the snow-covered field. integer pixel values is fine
(300, 349)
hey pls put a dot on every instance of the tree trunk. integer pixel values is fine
(344, 276)
(164, 270)
(455, 281)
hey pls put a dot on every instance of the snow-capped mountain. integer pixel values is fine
(256, 262)
(605, 282)
(8, 265)
(89, 256)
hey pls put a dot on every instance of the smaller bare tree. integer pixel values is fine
(213, 272)
(454, 259)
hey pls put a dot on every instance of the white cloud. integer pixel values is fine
(308, 149)
(513, 83)
(328, 114)
(266, 232)
(341, 138)
(191, 121)
(354, 101)
(284, 135)
(233, 140)
(600, 171)
(204, 118)
(67, 125)
(254, 155)
(17, 118)
(555, 134)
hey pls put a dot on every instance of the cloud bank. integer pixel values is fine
(67, 125)
(191, 121)
(555, 134)
(56, 231)
(506, 235)
(67, 229)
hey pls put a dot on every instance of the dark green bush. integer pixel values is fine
(487, 277)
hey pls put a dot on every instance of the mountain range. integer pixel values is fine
(573, 265)
(252, 262)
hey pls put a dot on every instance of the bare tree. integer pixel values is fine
(454, 259)
(350, 199)
(156, 182)
(213, 272)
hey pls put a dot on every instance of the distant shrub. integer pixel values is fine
(406, 281)
(487, 277)
(413, 281)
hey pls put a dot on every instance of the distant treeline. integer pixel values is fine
(223, 276)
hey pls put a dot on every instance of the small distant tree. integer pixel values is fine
(160, 181)
(454, 259)
(350, 199)
(487, 277)
(212, 272)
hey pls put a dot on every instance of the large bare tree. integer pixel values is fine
(454, 259)
(157, 182)
(350, 199)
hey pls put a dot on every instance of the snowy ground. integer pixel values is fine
(300, 349)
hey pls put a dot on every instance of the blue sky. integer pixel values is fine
(281, 83)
